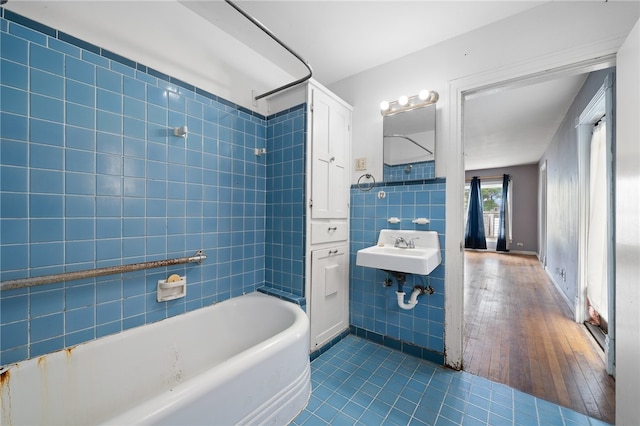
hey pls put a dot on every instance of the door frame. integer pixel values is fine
(600, 105)
(542, 214)
(540, 69)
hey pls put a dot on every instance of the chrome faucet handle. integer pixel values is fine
(401, 242)
(398, 241)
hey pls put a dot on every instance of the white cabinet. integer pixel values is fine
(328, 216)
(330, 146)
(329, 294)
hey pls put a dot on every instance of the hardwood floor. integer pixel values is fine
(519, 331)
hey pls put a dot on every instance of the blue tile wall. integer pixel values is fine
(373, 307)
(91, 176)
(398, 173)
(285, 230)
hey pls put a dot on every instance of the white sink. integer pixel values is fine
(421, 260)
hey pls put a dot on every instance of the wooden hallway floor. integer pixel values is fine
(519, 331)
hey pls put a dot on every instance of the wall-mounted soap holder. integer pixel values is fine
(181, 131)
(172, 288)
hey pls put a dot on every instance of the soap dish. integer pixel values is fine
(420, 221)
(172, 288)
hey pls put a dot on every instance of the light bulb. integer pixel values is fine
(403, 100)
(424, 94)
(384, 106)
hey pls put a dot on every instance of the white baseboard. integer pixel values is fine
(571, 306)
(526, 252)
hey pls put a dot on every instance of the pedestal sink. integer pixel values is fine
(421, 259)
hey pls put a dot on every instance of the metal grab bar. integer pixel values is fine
(199, 257)
(281, 43)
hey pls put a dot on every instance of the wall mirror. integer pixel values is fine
(409, 137)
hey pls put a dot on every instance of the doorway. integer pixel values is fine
(544, 68)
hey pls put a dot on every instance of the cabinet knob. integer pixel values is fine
(332, 159)
(333, 251)
(332, 228)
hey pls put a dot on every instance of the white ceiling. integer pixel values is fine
(514, 126)
(338, 39)
(342, 38)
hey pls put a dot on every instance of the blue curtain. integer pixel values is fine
(502, 232)
(474, 236)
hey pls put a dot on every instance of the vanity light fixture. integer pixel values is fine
(407, 103)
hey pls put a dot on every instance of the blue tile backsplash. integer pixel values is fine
(92, 176)
(374, 311)
(409, 172)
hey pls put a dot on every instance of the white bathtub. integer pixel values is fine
(241, 361)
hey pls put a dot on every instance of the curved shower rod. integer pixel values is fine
(410, 140)
(281, 43)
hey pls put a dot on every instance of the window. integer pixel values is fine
(491, 202)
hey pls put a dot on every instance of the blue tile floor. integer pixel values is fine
(358, 382)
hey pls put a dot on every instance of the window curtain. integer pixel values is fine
(474, 236)
(504, 232)
(597, 227)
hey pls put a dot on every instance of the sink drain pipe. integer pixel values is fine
(413, 300)
(401, 278)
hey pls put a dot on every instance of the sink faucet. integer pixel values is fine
(402, 243)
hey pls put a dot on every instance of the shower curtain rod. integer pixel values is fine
(199, 257)
(410, 140)
(281, 43)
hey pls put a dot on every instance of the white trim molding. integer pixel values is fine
(580, 60)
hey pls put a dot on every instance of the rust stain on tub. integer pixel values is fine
(5, 375)
(5, 391)
(42, 361)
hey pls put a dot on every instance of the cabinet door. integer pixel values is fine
(339, 147)
(330, 142)
(320, 157)
(329, 304)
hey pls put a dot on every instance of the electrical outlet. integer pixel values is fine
(361, 164)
